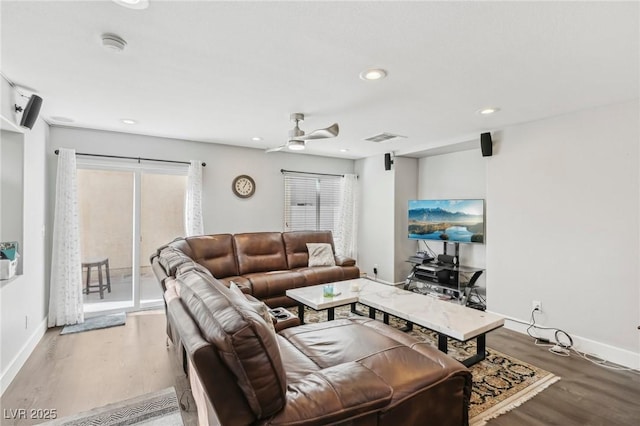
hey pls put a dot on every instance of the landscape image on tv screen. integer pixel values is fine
(460, 221)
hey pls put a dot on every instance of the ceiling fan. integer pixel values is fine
(297, 137)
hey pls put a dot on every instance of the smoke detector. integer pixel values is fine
(113, 42)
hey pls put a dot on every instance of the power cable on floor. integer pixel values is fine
(564, 344)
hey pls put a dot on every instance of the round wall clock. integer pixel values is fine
(243, 186)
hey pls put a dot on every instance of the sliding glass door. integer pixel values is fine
(126, 211)
(162, 207)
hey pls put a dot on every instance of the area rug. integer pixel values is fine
(96, 323)
(500, 382)
(158, 408)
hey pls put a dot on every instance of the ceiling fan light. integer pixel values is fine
(295, 145)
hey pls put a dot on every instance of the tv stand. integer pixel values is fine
(456, 251)
(442, 280)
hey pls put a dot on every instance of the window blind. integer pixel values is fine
(311, 202)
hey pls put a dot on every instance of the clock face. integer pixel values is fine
(243, 186)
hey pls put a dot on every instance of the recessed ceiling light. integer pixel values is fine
(296, 145)
(113, 42)
(488, 110)
(256, 138)
(373, 74)
(133, 4)
(344, 150)
(129, 121)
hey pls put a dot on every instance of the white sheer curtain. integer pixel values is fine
(193, 207)
(65, 299)
(347, 227)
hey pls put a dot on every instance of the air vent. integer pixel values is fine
(383, 137)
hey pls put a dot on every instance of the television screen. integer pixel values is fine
(455, 221)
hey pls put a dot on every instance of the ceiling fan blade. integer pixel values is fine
(278, 148)
(330, 132)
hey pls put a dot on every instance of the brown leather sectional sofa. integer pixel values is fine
(352, 371)
(264, 264)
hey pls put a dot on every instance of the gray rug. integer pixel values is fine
(95, 323)
(158, 408)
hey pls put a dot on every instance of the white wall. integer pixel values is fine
(223, 211)
(563, 227)
(405, 189)
(382, 232)
(376, 225)
(23, 301)
(457, 175)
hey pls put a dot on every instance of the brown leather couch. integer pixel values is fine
(351, 371)
(263, 264)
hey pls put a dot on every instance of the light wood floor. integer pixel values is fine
(78, 372)
(586, 394)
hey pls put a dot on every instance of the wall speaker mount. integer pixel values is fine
(30, 112)
(388, 161)
(486, 144)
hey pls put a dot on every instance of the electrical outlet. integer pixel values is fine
(536, 305)
(375, 269)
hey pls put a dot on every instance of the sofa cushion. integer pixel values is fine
(216, 253)
(322, 274)
(274, 283)
(260, 252)
(295, 243)
(170, 258)
(335, 342)
(260, 307)
(406, 364)
(190, 266)
(320, 254)
(244, 343)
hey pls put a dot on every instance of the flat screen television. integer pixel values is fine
(454, 221)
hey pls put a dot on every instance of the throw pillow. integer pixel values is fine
(321, 254)
(259, 307)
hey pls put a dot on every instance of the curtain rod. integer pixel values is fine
(283, 171)
(57, 151)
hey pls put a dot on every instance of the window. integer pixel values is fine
(311, 202)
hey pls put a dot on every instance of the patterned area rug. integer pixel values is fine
(500, 382)
(158, 409)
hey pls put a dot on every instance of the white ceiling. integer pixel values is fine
(224, 72)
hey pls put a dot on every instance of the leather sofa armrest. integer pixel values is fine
(345, 261)
(332, 395)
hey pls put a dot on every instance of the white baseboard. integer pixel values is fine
(378, 280)
(605, 351)
(18, 361)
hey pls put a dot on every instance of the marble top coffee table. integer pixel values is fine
(312, 296)
(449, 320)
